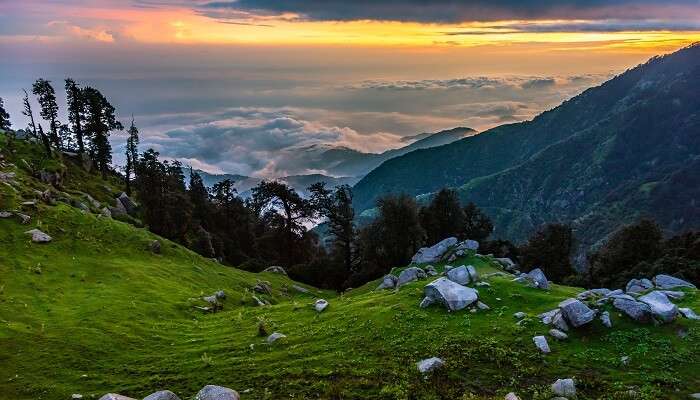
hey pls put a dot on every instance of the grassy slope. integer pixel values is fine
(104, 314)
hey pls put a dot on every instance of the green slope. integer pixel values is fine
(95, 311)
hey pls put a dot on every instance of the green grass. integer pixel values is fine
(95, 311)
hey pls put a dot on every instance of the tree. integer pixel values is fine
(550, 249)
(76, 112)
(32, 125)
(199, 197)
(295, 211)
(99, 122)
(443, 217)
(46, 97)
(4, 117)
(336, 206)
(477, 225)
(132, 153)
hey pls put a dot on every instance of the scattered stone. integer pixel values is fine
(429, 365)
(105, 212)
(300, 289)
(695, 396)
(23, 218)
(389, 282)
(473, 275)
(538, 279)
(564, 387)
(672, 294)
(605, 319)
(669, 282)
(276, 269)
(162, 395)
(211, 300)
(472, 245)
(114, 396)
(506, 263)
(430, 270)
(593, 293)
(220, 294)
(452, 295)
(211, 392)
(320, 305)
(624, 360)
(689, 313)
(410, 274)
(541, 343)
(482, 306)
(519, 315)
(547, 317)
(129, 205)
(39, 236)
(661, 306)
(275, 337)
(576, 312)
(426, 302)
(258, 302)
(638, 285)
(452, 258)
(634, 309)
(5, 214)
(155, 247)
(483, 284)
(557, 334)
(511, 396)
(459, 275)
(434, 253)
(263, 288)
(76, 396)
(559, 322)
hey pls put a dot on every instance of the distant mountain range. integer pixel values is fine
(626, 149)
(345, 166)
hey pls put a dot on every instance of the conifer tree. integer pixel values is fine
(32, 124)
(46, 96)
(4, 116)
(99, 122)
(76, 112)
(132, 149)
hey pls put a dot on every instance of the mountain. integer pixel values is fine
(343, 161)
(625, 149)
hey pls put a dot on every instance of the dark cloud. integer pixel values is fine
(444, 11)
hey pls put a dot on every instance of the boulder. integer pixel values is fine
(472, 245)
(434, 253)
(547, 317)
(275, 269)
(320, 305)
(557, 334)
(634, 309)
(511, 396)
(39, 236)
(605, 319)
(564, 387)
(410, 274)
(473, 275)
(105, 212)
(506, 263)
(538, 279)
(576, 312)
(275, 337)
(661, 306)
(670, 282)
(638, 285)
(155, 247)
(430, 270)
(689, 313)
(541, 343)
(559, 322)
(5, 214)
(114, 396)
(92, 201)
(426, 302)
(389, 282)
(211, 392)
(459, 275)
(263, 288)
(162, 395)
(129, 205)
(452, 295)
(593, 293)
(673, 294)
(429, 365)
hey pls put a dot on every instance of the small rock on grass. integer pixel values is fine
(114, 396)
(541, 343)
(689, 313)
(212, 392)
(275, 337)
(162, 395)
(605, 319)
(429, 364)
(557, 334)
(511, 396)
(564, 387)
(519, 315)
(320, 305)
(39, 236)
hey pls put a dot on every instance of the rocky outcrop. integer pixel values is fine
(389, 282)
(671, 282)
(576, 312)
(634, 309)
(661, 307)
(638, 285)
(450, 294)
(434, 253)
(410, 274)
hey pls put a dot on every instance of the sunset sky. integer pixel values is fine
(240, 86)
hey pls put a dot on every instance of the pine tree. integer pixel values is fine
(46, 96)
(76, 112)
(4, 117)
(132, 144)
(336, 206)
(99, 122)
(443, 217)
(32, 124)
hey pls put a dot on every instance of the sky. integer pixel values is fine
(248, 86)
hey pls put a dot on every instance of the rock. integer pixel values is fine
(5, 214)
(114, 396)
(519, 315)
(670, 282)
(300, 289)
(541, 343)
(564, 387)
(538, 279)
(211, 392)
(52, 178)
(576, 312)
(695, 396)
(434, 253)
(482, 306)
(557, 334)
(275, 337)
(689, 313)
(129, 205)
(605, 319)
(559, 322)
(672, 294)
(506, 263)
(547, 317)
(23, 218)
(263, 288)
(511, 396)
(472, 245)
(155, 247)
(473, 275)
(389, 282)
(593, 293)
(661, 306)
(448, 268)
(275, 269)
(410, 274)
(92, 201)
(638, 285)
(320, 305)
(162, 395)
(211, 300)
(429, 365)
(452, 258)
(39, 236)
(459, 275)
(430, 270)
(76, 396)
(426, 302)
(452, 295)
(105, 212)
(483, 284)
(624, 360)
(634, 309)
(257, 301)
